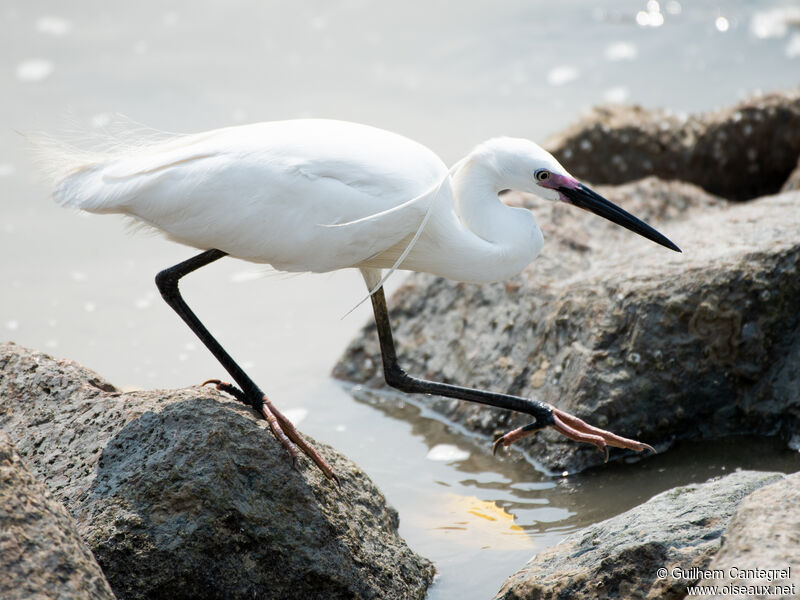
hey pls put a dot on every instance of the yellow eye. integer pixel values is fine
(542, 175)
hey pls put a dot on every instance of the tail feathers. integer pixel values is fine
(83, 189)
(69, 170)
(76, 174)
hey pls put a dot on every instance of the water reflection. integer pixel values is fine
(448, 78)
(503, 510)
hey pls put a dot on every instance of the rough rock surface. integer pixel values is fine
(763, 534)
(677, 530)
(41, 554)
(184, 494)
(740, 152)
(646, 342)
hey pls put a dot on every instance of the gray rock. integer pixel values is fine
(649, 343)
(184, 494)
(740, 152)
(41, 554)
(678, 530)
(763, 534)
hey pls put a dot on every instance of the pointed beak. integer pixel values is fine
(581, 196)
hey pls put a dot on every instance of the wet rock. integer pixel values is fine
(646, 342)
(764, 533)
(678, 530)
(41, 553)
(741, 152)
(184, 494)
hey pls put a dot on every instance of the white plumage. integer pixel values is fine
(319, 195)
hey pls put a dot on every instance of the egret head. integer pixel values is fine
(525, 166)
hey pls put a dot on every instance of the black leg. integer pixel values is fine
(167, 282)
(250, 394)
(544, 414)
(397, 378)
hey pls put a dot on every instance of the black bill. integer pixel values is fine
(585, 198)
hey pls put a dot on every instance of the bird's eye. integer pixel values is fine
(542, 175)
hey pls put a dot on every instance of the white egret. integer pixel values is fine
(319, 195)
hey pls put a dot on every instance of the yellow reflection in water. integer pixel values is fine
(475, 522)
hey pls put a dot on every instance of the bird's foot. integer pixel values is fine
(281, 427)
(577, 430)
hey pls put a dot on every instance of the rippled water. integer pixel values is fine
(447, 74)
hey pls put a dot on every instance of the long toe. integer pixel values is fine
(228, 388)
(514, 435)
(578, 430)
(278, 432)
(289, 429)
(281, 427)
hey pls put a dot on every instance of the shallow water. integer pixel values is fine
(448, 75)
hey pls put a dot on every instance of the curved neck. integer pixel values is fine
(510, 238)
(475, 187)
